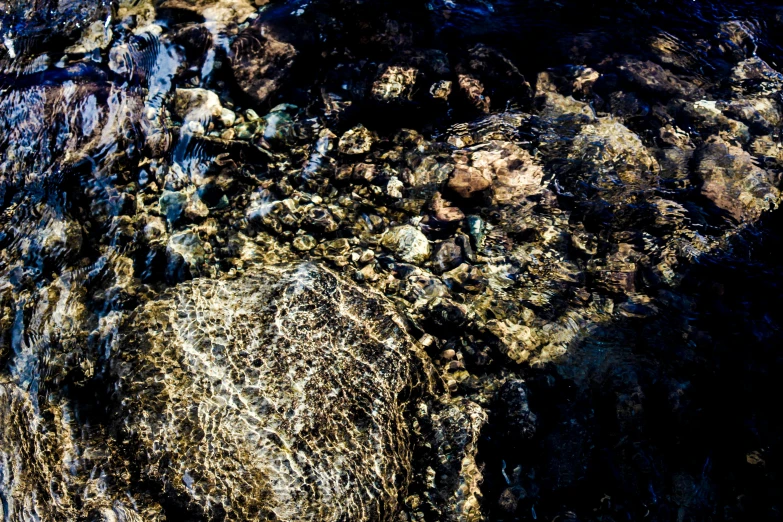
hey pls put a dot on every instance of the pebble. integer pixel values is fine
(408, 243)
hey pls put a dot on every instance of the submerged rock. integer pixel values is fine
(408, 242)
(278, 395)
(733, 182)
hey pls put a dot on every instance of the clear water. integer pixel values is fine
(573, 199)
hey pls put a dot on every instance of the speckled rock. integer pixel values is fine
(281, 394)
(733, 182)
(358, 140)
(408, 243)
(469, 181)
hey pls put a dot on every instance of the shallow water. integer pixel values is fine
(556, 224)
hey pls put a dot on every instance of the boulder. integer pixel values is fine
(280, 395)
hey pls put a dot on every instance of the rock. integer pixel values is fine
(277, 127)
(304, 243)
(516, 341)
(486, 73)
(627, 105)
(754, 68)
(446, 255)
(186, 254)
(32, 447)
(762, 115)
(732, 180)
(709, 116)
(472, 89)
(478, 231)
(445, 313)
(172, 205)
(612, 147)
(419, 287)
(321, 220)
(737, 40)
(457, 424)
(219, 11)
(552, 104)
(469, 182)
(655, 79)
(466, 278)
(261, 59)
(513, 173)
(182, 205)
(357, 140)
(241, 395)
(395, 187)
(441, 90)
(396, 83)
(197, 105)
(408, 243)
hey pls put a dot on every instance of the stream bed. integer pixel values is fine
(374, 260)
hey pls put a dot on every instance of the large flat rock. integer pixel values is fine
(279, 395)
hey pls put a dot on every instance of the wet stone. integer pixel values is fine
(304, 243)
(446, 255)
(249, 367)
(469, 182)
(358, 140)
(408, 243)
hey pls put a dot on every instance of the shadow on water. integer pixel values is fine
(672, 416)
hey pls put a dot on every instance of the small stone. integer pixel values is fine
(467, 278)
(358, 140)
(366, 257)
(172, 205)
(245, 131)
(508, 501)
(468, 182)
(446, 256)
(303, 243)
(441, 90)
(395, 84)
(477, 231)
(394, 188)
(367, 273)
(321, 219)
(408, 243)
(443, 211)
(227, 117)
(448, 354)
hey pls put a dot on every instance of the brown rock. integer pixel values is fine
(474, 91)
(447, 255)
(443, 211)
(469, 181)
(733, 182)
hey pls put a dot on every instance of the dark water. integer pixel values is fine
(572, 206)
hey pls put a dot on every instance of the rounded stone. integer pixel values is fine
(280, 395)
(304, 243)
(358, 140)
(408, 243)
